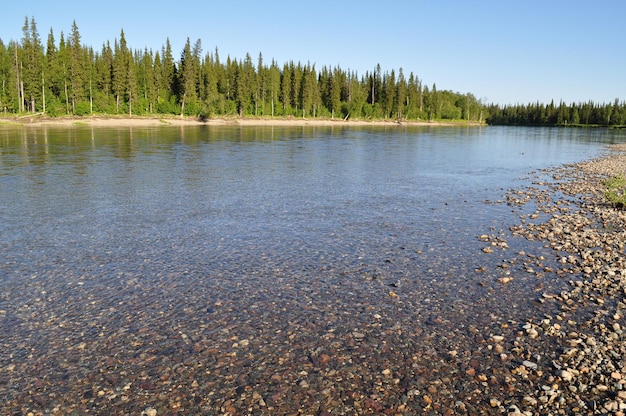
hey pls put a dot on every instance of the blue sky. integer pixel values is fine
(501, 51)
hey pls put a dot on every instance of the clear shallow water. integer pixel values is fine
(224, 233)
(221, 191)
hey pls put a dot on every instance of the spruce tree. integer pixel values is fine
(335, 92)
(31, 63)
(76, 68)
(274, 85)
(286, 88)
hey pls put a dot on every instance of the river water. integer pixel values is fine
(228, 270)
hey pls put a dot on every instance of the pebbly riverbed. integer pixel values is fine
(339, 337)
(572, 361)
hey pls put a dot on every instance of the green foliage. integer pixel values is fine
(574, 114)
(70, 78)
(55, 108)
(616, 191)
(82, 109)
(168, 106)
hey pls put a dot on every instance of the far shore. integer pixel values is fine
(148, 121)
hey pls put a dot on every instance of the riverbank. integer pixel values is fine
(125, 121)
(573, 362)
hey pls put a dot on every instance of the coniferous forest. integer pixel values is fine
(65, 77)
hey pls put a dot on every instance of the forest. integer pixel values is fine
(575, 114)
(69, 78)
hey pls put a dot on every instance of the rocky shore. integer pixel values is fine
(575, 361)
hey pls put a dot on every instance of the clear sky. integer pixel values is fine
(502, 51)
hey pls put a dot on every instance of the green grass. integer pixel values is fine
(616, 191)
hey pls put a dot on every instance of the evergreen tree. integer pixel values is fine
(76, 68)
(32, 76)
(147, 81)
(309, 96)
(401, 96)
(52, 68)
(168, 72)
(230, 76)
(247, 86)
(104, 75)
(285, 88)
(296, 86)
(132, 88)
(5, 77)
(274, 85)
(119, 81)
(334, 92)
(187, 76)
(389, 94)
(260, 94)
(64, 60)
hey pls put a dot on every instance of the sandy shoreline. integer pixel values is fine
(104, 121)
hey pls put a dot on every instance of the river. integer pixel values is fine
(259, 270)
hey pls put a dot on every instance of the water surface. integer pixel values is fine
(147, 247)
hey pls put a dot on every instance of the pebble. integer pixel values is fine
(530, 365)
(565, 375)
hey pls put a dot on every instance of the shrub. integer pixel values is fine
(616, 191)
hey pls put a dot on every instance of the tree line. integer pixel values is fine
(69, 78)
(575, 114)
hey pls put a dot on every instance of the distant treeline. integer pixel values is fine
(68, 78)
(575, 114)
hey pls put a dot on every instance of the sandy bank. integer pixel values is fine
(177, 121)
